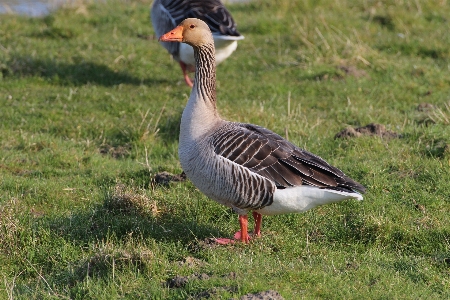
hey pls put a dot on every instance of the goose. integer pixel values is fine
(166, 14)
(244, 166)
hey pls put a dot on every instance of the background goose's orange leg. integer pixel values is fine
(184, 68)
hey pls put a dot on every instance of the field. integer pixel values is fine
(90, 106)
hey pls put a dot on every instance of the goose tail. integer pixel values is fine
(302, 198)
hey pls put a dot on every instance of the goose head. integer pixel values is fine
(191, 31)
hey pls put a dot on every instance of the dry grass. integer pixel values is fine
(439, 115)
(108, 258)
(126, 199)
(10, 225)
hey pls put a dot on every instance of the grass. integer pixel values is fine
(90, 113)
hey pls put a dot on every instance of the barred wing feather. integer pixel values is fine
(212, 12)
(268, 154)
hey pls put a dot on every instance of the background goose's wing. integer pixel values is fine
(163, 22)
(268, 154)
(212, 12)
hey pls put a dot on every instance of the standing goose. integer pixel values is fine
(166, 14)
(245, 166)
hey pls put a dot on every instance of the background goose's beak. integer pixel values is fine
(175, 35)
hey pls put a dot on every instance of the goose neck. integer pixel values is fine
(200, 114)
(205, 74)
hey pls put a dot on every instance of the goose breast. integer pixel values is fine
(223, 180)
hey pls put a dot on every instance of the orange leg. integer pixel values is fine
(258, 220)
(240, 235)
(243, 222)
(185, 74)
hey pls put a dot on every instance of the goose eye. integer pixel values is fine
(192, 26)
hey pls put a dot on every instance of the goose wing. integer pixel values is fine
(268, 154)
(212, 12)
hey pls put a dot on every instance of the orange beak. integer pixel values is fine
(175, 35)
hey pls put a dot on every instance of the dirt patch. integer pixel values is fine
(116, 152)
(207, 243)
(180, 281)
(211, 293)
(353, 71)
(164, 178)
(177, 281)
(266, 295)
(368, 130)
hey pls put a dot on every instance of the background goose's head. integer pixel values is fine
(191, 31)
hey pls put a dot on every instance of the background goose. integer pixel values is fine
(245, 166)
(166, 14)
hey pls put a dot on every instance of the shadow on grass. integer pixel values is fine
(120, 218)
(101, 223)
(116, 229)
(75, 74)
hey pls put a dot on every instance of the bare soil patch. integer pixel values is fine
(266, 295)
(371, 129)
(164, 178)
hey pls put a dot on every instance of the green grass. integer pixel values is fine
(90, 113)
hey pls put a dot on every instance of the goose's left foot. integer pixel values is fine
(241, 235)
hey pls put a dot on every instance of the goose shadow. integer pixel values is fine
(114, 224)
(104, 223)
(72, 74)
(118, 217)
